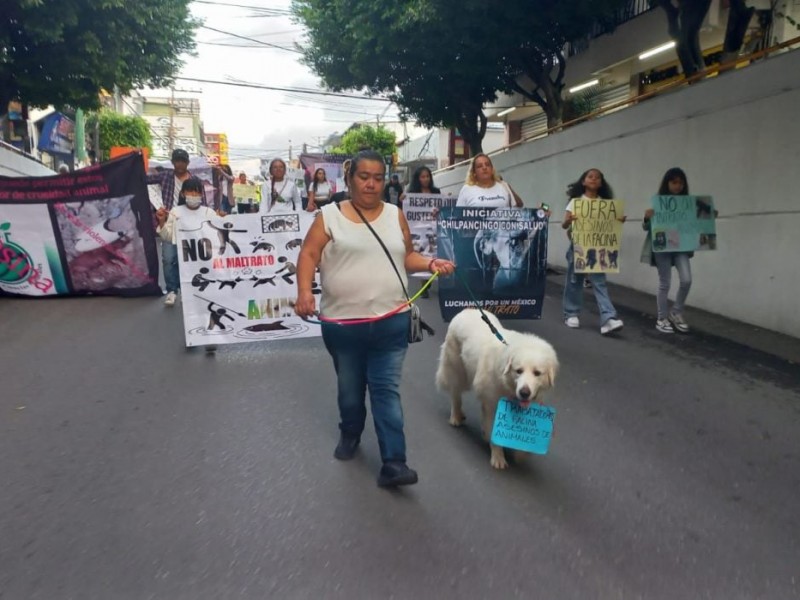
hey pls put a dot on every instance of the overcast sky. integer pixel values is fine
(262, 122)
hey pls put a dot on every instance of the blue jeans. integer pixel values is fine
(664, 263)
(573, 292)
(370, 356)
(169, 260)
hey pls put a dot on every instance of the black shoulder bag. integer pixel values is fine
(417, 325)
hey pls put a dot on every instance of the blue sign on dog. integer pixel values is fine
(527, 429)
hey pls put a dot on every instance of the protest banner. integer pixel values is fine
(419, 212)
(80, 233)
(500, 253)
(238, 278)
(330, 163)
(246, 197)
(597, 235)
(683, 223)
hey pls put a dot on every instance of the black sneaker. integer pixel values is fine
(396, 473)
(346, 448)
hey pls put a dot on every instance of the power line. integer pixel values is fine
(275, 12)
(249, 39)
(280, 89)
(265, 34)
(239, 45)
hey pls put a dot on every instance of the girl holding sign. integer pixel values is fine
(190, 202)
(590, 186)
(673, 183)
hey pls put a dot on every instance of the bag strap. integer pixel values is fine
(385, 249)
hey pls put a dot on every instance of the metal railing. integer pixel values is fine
(710, 71)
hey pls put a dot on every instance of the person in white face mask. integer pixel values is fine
(190, 203)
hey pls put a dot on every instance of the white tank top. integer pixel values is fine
(357, 278)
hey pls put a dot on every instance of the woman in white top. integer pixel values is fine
(279, 194)
(485, 189)
(190, 200)
(319, 192)
(358, 281)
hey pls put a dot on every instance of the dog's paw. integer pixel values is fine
(498, 460)
(457, 419)
(520, 456)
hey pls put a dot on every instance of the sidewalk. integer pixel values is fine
(779, 345)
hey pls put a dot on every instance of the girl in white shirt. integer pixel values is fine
(279, 194)
(190, 200)
(319, 192)
(591, 186)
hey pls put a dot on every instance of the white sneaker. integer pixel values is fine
(611, 325)
(170, 299)
(572, 322)
(678, 322)
(664, 326)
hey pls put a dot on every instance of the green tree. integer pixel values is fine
(441, 60)
(409, 51)
(532, 37)
(120, 130)
(64, 53)
(378, 138)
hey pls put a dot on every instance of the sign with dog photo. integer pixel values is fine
(596, 235)
(528, 429)
(238, 278)
(501, 253)
(683, 223)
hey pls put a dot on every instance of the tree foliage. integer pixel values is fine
(442, 60)
(378, 138)
(121, 130)
(432, 69)
(64, 53)
(534, 35)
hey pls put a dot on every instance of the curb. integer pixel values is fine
(770, 342)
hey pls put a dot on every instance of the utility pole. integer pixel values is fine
(171, 121)
(290, 150)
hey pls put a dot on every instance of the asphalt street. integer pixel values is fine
(133, 468)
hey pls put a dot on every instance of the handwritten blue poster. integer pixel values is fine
(683, 224)
(528, 429)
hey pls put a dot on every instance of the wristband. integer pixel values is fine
(430, 264)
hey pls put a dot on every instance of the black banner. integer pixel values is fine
(89, 232)
(500, 253)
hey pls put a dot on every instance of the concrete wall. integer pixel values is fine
(738, 138)
(15, 164)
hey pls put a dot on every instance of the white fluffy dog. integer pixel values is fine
(472, 357)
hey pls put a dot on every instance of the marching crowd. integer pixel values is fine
(361, 244)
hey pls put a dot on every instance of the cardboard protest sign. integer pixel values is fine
(528, 429)
(683, 224)
(597, 235)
